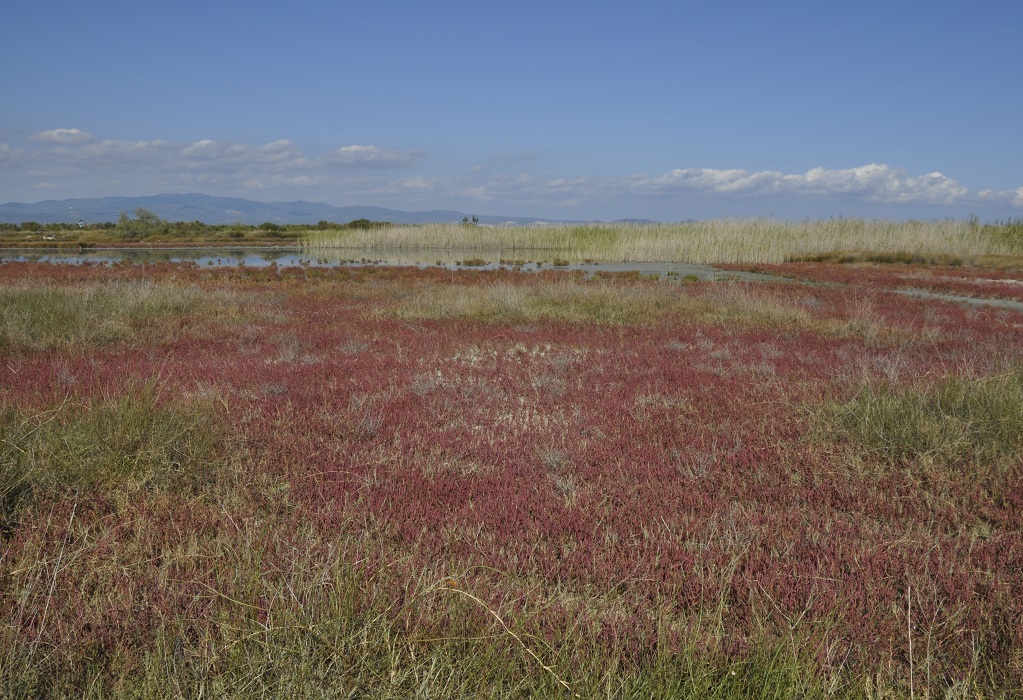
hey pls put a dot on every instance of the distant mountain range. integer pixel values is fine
(229, 210)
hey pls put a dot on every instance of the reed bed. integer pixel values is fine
(705, 242)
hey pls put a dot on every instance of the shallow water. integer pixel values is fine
(298, 257)
(972, 301)
(215, 257)
(295, 256)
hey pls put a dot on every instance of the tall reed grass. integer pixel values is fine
(717, 241)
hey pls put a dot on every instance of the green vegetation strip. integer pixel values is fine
(957, 423)
(137, 440)
(732, 240)
(38, 317)
(619, 301)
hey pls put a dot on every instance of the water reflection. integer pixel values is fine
(216, 257)
(298, 257)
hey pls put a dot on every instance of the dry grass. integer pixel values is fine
(619, 301)
(43, 317)
(716, 241)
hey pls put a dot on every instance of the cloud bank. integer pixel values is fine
(70, 162)
(874, 182)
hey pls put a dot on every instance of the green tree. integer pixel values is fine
(146, 224)
(146, 217)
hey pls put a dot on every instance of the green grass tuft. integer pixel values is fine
(890, 258)
(138, 440)
(41, 318)
(959, 422)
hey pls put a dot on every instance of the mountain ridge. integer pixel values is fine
(214, 210)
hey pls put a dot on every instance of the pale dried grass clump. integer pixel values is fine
(569, 301)
(614, 303)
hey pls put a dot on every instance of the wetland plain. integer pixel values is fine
(457, 481)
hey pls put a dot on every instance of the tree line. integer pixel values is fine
(146, 225)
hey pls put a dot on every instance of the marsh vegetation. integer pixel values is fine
(402, 482)
(713, 241)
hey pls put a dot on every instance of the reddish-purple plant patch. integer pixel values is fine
(650, 481)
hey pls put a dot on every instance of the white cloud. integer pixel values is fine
(373, 155)
(873, 183)
(226, 155)
(1004, 197)
(119, 152)
(480, 192)
(73, 163)
(418, 183)
(71, 136)
(562, 184)
(272, 182)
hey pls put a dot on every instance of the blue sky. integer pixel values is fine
(573, 110)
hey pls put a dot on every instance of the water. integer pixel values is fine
(214, 257)
(293, 256)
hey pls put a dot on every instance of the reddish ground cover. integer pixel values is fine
(648, 483)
